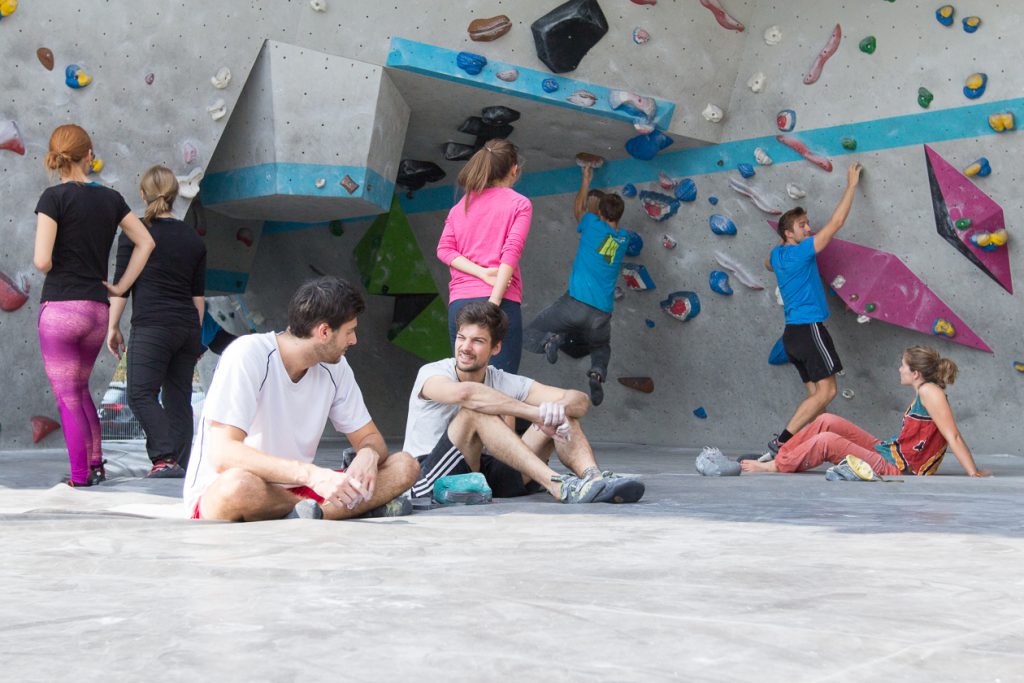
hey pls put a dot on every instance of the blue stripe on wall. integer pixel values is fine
(226, 281)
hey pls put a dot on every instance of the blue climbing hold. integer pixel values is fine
(721, 225)
(646, 147)
(629, 190)
(634, 244)
(686, 190)
(658, 207)
(636, 276)
(980, 168)
(778, 355)
(471, 63)
(713, 201)
(549, 85)
(650, 323)
(701, 413)
(719, 282)
(975, 85)
(683, 305)
(746, 170)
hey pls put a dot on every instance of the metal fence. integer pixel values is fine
(117, 420)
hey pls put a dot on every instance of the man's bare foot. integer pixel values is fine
(755, 466)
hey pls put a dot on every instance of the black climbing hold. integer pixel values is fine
(475, 125)
(413, 174)
(565, 34)
(498, 115)
(455, 151)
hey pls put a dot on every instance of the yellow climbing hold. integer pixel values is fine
(97, 165)
(7, 7)
(1003, 121)
(943, 328)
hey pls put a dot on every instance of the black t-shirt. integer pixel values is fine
(174, 273)
(87, 216)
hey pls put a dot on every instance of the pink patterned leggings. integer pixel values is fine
(830, 438)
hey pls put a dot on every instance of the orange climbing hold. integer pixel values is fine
(42, 427)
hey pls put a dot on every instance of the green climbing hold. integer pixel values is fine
(426, 335)
(870, 308)
(963, 223)
(389, 258)
(868, 45)
(849, 143)
(337, 228)
(924, 97)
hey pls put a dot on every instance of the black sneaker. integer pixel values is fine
(596, 390)
(551, 347)
(166, 469)
(97, 474)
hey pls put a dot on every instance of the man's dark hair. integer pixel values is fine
(595, 194)
(484, 314)
(327, 299)
(611, 207)
(787, 220)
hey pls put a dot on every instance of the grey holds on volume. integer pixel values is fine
(498, 115)
(413, 174)
(564, 35)
(712, 463)
(456, 151)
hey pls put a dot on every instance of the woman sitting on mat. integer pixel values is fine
(928, 428)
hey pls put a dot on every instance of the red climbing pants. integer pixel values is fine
(831, 438)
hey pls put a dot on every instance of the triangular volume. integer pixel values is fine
(389, 258)
(964, 214)
(427, 335)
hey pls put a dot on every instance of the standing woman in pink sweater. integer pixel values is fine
(483, 239)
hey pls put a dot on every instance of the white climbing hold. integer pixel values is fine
(318, 5)
(848, 393)
(221, 79)
(320, 182)
(762, 157)
(218, 110)
(795, 191)
(188, 185)
(863, 319)
(773, 35)
(756, 82)
(778, 297)
(744, 276)
(838, 282)
(712, 113)
(583, 98)
(508, 75)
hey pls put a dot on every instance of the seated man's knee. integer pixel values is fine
(236, 482)
(406, 468)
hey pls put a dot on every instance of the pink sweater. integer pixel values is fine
(493, 232)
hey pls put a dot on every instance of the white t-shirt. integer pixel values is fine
(251, 390)
(428, 419)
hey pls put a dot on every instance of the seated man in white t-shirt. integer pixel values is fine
(458, 409)
(269, 401)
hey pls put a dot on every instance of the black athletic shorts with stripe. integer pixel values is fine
(811, 350)
(446, 459)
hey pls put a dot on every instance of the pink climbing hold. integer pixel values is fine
(10, 138)
(801, 149)
(245, 236)
(12, 294)
(645, 2)
(721, 16)
(819, 62)
(877, 284)
(665, 182)
(42, 427)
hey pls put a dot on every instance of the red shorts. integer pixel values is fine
(300, 491)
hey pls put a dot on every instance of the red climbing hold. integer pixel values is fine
(245, 236)
(644, 384)
(10, 137)
(42, 427)
(12, 295)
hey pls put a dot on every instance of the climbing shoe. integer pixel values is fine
(165, 469)
(573, 489)
(596, 390)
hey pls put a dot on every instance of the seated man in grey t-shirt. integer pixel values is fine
(458, 409)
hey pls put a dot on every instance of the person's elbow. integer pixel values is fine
(43, 265)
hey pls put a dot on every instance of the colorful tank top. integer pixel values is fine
(920, 446)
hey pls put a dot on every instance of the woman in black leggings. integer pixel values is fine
(167, 313)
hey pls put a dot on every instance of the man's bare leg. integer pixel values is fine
(819, 395)
(240, 496)
(396, 475)
(576, 454)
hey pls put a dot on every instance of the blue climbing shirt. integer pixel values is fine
(803, 295)
(598, 262)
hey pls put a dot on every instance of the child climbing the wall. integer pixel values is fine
(928, 428)
(75, 225)
(805, 339)
(483, 238)
(585, 311)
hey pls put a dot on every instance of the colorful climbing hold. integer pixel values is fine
(1001, 122)
(778, 355)
(980, 168)
(683, 305)
(962, 223)
(924, 97)
(633, 104)
(713, 201)
(491, 28)
(582, 98)
(721, 16)
(650, 323)
(8, 7)
(45, 57)
(42, 427)
(746, 170)
(549, 85)
(686, 190)
(658, 206)
(189, 152)
(320, 183)
(470, 62)
(641, 36)
(989, 241)
(971, 24)
(870, 308)
(718, 280)
(508, 75)
(746, 278)
(646, 147)
(96, 166)
(629, 190)
(801, 149)
(849, 143)
(721, 225)
(754, 196)
(13, 295)
(637, 277)
(245, 236)
(665, 182)
(349, 184)
(1019, 366)
(712, 113)
(944, 15)
(634, 244)
(831, 45)
(868, 45)
(974, 86)
(943, 328)
(10, 137)
(150, 77)
(641, 384)
(668, 242)
(563, 36)
(75, 77)
(762, 158)
(588, 160)
(701, 413)
(786, 120)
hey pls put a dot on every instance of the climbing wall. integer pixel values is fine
(152, 66)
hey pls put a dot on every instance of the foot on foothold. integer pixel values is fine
(551, 347)
(306, 509)
(619, 489)
(574, 489)
(596, 390)
(166, 469)
(399, 507)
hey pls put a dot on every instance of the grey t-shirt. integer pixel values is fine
(428, 420)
